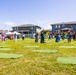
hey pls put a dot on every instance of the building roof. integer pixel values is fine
(27, 25)
(64, 23)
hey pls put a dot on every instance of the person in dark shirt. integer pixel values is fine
(69, 36)
(23, 36)
(42, 36)
(74, 36)
(36, 37)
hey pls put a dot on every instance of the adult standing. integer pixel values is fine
(58, 37)
(49, 36)
(63, 36)
(23, 36)
(69, 36)
(74, 36)
(36, 37)
(42, 36)
(15, 37)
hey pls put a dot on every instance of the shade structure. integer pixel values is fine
(67, 46)
(45, 51)
(6, 55)
(16, 33)
(66, 60)
(9, 33)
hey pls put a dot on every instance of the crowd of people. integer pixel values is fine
(70, 35)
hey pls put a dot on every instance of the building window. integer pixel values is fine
(32, 32)
(14, 28)
(72, 27)
(56, 26)
(31, 27)
(63, 25)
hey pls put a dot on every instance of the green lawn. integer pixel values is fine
(35, 63)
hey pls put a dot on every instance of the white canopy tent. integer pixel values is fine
(9, 33)
(16, 33)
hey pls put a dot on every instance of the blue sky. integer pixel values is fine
(39, 12)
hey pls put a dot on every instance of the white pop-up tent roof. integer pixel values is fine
(16, 33)
(9, 33)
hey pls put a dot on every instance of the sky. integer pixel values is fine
(38, 12)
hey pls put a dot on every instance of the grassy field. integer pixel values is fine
(37, 63)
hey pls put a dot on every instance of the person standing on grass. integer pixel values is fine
(42, 36)
(69, 36)
(36, 37)
(74, 36)
(3, 38)
(49, 36)
(23, 36)
(57, 37)
(63, 36)
(15, 37)
(11, 37)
